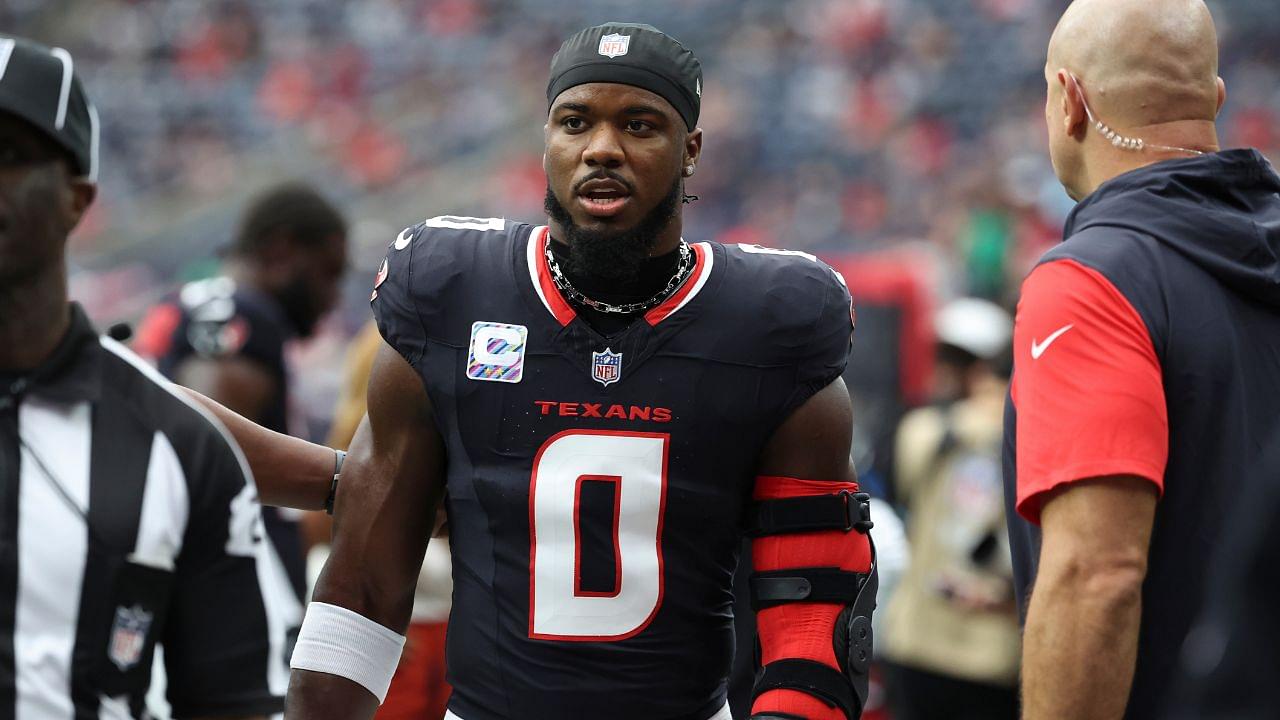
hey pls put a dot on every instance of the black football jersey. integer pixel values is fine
(596, 484)
(214, 318)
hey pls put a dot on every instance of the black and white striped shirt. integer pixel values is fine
(128, 517)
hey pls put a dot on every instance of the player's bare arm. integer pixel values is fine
(808, 457)
(1081, 640)
(815, 441)
(392, 482)
(289, 471)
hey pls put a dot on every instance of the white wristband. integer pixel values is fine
(337, 641)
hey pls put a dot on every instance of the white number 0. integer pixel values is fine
(637, 463)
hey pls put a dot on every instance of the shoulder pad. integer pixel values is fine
(801, 314)
(442, 224)
(800, 281)
(428, 266)
(779, 262)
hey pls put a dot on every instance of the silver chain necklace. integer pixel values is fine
(683, 269)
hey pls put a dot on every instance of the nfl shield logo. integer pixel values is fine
(128, 636)
(615, 45)
(606, 367)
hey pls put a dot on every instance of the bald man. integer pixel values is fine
(1147, 358)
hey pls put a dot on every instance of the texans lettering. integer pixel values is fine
(643, 413)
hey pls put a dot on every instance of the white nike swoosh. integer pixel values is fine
(403, 239)
(1037, 349)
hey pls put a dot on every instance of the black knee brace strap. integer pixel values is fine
(839, 511)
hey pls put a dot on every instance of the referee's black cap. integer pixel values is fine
(630, 54)
(39, 85)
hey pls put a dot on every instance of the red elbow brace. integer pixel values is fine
(814, 590)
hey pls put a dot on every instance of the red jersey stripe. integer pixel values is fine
(690, 288)
(541, 276)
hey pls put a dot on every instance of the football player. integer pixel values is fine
(226, 336)
(605, 409)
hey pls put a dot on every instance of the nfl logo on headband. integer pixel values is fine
(614, 45)
(633, 54)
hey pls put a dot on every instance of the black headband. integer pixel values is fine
(630, 54)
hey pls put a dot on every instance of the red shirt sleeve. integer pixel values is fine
(1087, 385)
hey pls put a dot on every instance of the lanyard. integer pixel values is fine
(9, 403)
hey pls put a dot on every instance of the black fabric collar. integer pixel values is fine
(654, 275)
(72, 372)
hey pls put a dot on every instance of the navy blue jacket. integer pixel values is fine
(1169, 279)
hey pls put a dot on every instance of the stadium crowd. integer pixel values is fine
(838, 124)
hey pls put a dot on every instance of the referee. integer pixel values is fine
(127, 517)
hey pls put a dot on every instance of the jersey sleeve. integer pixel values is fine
(824, 352)
(232, 608)
(1087, 385)
(395, 309)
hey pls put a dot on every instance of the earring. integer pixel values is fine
(688, 170)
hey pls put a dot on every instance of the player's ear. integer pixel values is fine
(692, 147)
(1222, 96)
(82, 194)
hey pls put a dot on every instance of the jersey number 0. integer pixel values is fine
(636, 464)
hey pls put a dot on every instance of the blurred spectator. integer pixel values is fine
(225, 336)
(951, 628)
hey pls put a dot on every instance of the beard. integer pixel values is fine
(612, 255)
(295, 300)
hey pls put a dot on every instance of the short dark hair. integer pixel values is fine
(293, 209)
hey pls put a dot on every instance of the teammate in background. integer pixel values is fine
(225, 336)
(418, 690)
(1145, 370)
(610, 409)
(952, 632)
(128, 515)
